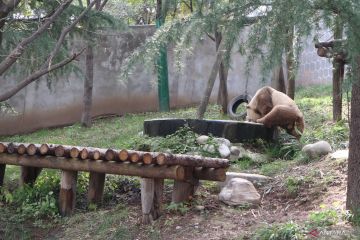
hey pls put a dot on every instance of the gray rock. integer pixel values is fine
(235, 151)
(223, 141)
(202, 139)
(256, 179)
(317, 149)
(224, 151)
(239, 191)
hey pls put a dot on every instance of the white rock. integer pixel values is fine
(200, 208)
(178, 227)
(317, 149)
(341, 154)
(202, 139)
(239, 191)
(235, 151)
(209, 148)
(224, 151)
(223, 141)
(256, 179)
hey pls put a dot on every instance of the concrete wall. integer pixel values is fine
(39, 107)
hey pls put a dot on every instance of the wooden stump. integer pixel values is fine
(151, 198)
(96, 188)
(2, 173)
(29, 174)
(67, 195)
(185, 190)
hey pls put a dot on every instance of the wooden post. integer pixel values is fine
(151, 198)
(147, 198)
(2, 173)
(67, 195)
(29, 174)
(96, 188)
(184, 190)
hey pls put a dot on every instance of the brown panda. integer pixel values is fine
(273, 108)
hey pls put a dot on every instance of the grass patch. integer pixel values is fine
(272, 168)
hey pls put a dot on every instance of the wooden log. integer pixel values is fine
(28, 175)
(2, 174)
(31, 149)
(43, 149)
(111, 167)
(11, 148)
(21, 149)
(184, 190)
(191, 161)
(96, 188)
(147, 199)
(84, 154)
(211, 174)
(67, 197)
(149, 158)
(111, 155)
(95, 153)
(124, 155)
(3, 147)
(130, 155)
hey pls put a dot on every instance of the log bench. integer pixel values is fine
(152, 167)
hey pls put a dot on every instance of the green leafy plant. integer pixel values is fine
(292, 185)
(181, 208)
(284, 231)
(324, 218)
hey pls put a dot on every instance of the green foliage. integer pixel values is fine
(324, 218)
(35, 54)
(245, 162)
(183, 141)
(36, 201)
(292, 185)
(181, 208)
(284, 231)
(272, 168)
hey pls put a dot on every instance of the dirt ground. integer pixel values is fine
(323, 186)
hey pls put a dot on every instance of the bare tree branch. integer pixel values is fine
(36, 75)
(18, 51)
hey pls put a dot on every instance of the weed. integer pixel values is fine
(284, 231)
(324, 218)
(272, 168)
(293, 185)
(181, 208)
(245, 162)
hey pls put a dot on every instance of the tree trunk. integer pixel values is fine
(89, 75)
(290, 63)
(338, 74)
(205, 99)
(278, 79)
(222, 98)
(88, 87)
(353, 186)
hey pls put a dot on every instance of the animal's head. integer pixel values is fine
(252, 114)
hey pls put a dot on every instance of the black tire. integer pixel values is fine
(235, 103)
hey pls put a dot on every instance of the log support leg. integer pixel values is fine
(96, 188)
(185, 190)
(67, 195)
(29, 174)
(2, 173)
(151, 198)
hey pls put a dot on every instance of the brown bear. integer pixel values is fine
(273, 108)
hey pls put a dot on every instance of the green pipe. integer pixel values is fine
(162, 71)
